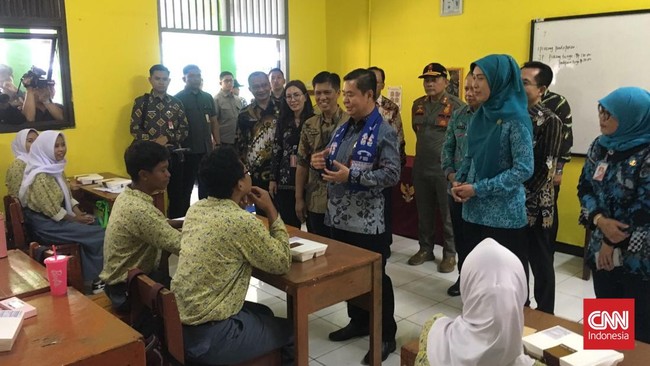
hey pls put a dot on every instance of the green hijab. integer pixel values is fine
(507, 103)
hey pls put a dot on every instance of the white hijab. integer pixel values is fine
(19, 142)
(41, 160)
(489, 332)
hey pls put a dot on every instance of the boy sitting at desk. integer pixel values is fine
(221, 245)
(137, 230)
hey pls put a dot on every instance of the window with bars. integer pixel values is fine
(226, 17)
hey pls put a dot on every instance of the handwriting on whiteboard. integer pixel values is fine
(563, 55)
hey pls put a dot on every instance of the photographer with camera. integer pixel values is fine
(38, 105)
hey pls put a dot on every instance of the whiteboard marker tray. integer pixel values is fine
(305, 249)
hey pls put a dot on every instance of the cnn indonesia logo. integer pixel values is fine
(609, 324)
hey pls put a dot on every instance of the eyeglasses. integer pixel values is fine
(528, 83)
(602, 112)
(295, 96)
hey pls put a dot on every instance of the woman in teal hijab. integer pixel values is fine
(614, 192)
(490, 182)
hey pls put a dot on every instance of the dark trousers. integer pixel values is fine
(556, 220)
(617, 284)
(462, 247)
(388, 215)
(190, 178)
(176, 206)
(513, 239)
(285, 200)
(118, 293)
(250, 333)
(316, 224)
(540, 258)
(358, 315)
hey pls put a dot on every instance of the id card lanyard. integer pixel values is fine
(601, 168)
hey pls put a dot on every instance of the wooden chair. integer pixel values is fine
(7, 200)
(21, 238)
(146, 293)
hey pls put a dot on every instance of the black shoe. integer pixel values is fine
(454, 290)
(386, 349)
(348, 332)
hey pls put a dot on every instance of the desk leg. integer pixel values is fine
(300, 316)
(375, 308)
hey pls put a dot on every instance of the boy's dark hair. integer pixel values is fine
(158, 67)
(545, 75)
(190, 67)
(366, 80)
(224, 74)
(143, 155)
(381, 72)
(220, 170)
(327, 77)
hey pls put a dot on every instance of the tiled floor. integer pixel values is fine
(420, 292)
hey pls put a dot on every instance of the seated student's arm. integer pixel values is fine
(521, 147)
(154, 229)
(265, 249)
(45, 196)
(388, 172)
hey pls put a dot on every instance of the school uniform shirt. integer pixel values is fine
(14, 176)
(620, 193)
(221, 244)
(135, 235)
(45, 196)
(315, 135)
(547, 137)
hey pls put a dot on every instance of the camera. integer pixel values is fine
(38, 79)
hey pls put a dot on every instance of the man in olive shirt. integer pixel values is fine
(431, 114)
(137, 231)
(203, 134)
(228, 105)
(311, 190)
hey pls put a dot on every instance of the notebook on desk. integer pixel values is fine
(10, 323)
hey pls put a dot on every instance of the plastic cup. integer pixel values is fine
(57, 274)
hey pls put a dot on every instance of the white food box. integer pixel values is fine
(14, 303)
(10, 323)
(305, 249)
(116, 183)
(536, 343)
(85, 179)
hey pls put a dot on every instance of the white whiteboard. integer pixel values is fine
(590, 57)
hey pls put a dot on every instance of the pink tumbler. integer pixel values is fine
(57, 274)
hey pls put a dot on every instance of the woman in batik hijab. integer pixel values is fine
(614, 192)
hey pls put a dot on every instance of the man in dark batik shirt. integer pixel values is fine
(547, 129)
(159, 117)
(256, 130)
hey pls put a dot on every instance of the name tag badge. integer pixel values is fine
(170, 125)
(601, 169)
(293, 161)
(207, 118)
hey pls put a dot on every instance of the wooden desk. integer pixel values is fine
(88, 193)
(540, 321)
(24, 276)
(73, 330)
(344, 272)
(536, 319)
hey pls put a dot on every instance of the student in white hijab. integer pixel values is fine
(20, 147)
(51, 212)
(489, 331)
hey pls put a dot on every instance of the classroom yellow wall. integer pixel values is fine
(407, 35)
(307, 37)
(112, 44)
